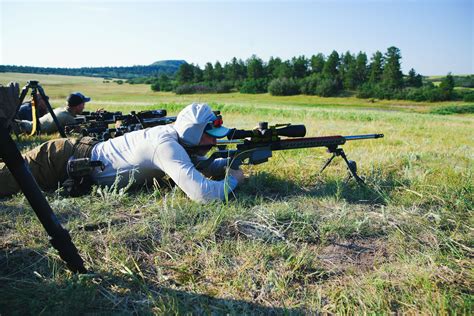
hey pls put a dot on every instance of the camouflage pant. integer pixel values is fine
(47, 164)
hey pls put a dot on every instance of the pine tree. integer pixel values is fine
(447, 87)
(242, 69)
(164, 83)
(218, 72)
(317, 63)
(392, 76)
(285, 70)
(300, 66)
(208, 74)
(361, 69)
(331, 66)
(273, 67)
(255, 68)
(231, 72)
(347, 71)
(198, 74)
(185, 73)
(414, 80)
(376, 68)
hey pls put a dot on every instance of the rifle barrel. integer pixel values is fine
(367, 136)
(306, 142)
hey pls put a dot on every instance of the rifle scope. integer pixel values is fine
(150, 114)
(264, 132)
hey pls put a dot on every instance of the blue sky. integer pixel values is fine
(435, 37)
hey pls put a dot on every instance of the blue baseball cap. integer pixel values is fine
(77, 98)
(215, 129)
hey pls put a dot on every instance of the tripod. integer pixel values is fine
(35, 88)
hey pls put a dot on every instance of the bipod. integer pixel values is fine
(351, 164)
(35, 88)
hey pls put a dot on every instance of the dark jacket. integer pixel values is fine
(24, 113)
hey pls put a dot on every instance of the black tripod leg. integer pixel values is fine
(352, 168)
(50, 109)
(59, 237)
(24, 91)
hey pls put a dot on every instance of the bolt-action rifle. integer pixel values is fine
(256, 146)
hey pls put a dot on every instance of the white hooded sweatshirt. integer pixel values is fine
(153, 152)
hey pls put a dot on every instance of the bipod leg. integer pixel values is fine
(328, 162)
(59, 237)
(352, 166)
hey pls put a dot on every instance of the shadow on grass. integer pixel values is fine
(63, 209)
(376, 191)
(13, 210)
(29, 286)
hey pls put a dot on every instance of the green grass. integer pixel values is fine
(453, 109)
(292, 241)
(115, 97)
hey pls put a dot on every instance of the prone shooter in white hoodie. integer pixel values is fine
(140, 156)
(154, 152)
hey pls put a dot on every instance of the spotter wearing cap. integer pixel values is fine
(77, 98)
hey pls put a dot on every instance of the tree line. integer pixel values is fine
(380, 77)
(125, 72)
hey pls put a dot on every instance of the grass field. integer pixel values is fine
(292, 241)
(115, 97)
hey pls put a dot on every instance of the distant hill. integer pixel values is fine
(168, 67)
(169, 63)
